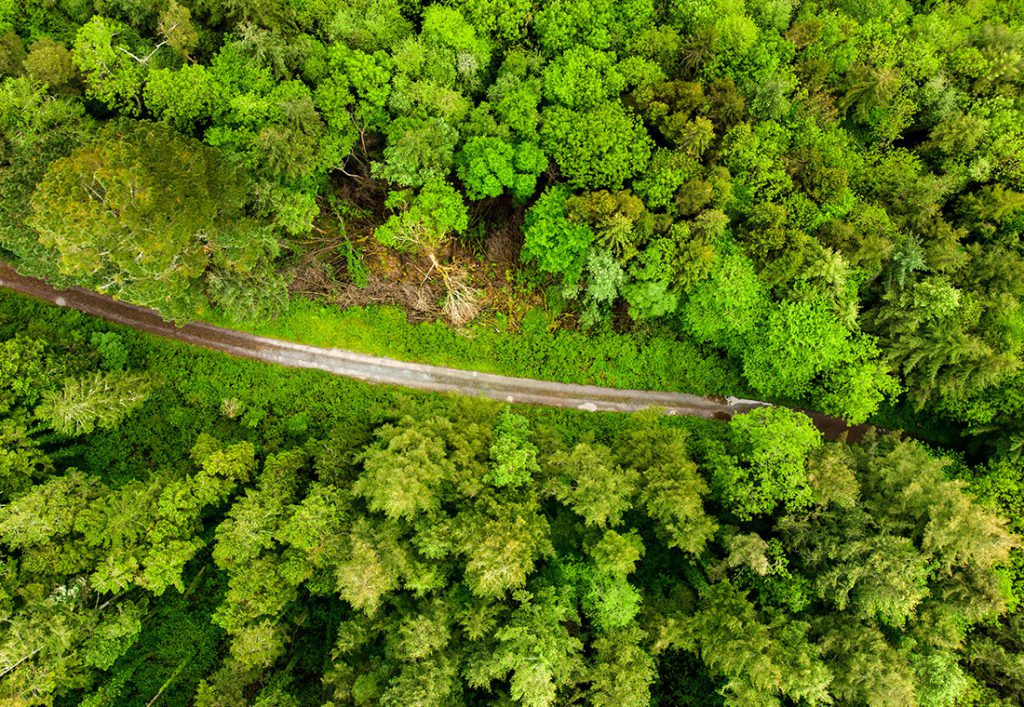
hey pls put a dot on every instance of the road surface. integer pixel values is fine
(374, 369)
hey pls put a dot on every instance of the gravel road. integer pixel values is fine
(373, 369)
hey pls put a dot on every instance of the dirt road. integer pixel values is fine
(373, 369)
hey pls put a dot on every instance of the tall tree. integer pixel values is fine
(143, 213)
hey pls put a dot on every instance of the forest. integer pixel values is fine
(818, 204)
(181, 528)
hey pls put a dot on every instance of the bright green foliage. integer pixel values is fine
(175, 25)
(113, 636)
(513, 455)
(671, 490)
(453, 53)
(401, 479)
(650, 300)
(598, 148)
(600, 24)
(796, 342)
(617, 218)
(100, 400)
(666, 173)
(557, 244)
(605, 279)
(950, 344)
(419, 150)
(370, 25)
(854, 389)
(582, 78)
(770, 447)
(22, 373)
(588, 481)
(725, 309)
(184, 98)
(759, 662)
(505, 20)
(534, 651)
(622, 671)
(442, 549)
(616, 555)
(515, 94)
(424, 220)
(488, 166)
(502, 543)
(107, 53)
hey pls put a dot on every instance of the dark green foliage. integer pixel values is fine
(114, 212)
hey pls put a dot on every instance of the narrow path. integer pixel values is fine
(373, 369)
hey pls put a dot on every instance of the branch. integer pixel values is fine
(147, 57)
(9, 669)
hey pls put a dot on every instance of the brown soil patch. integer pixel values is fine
(482, 264)
(420, 302)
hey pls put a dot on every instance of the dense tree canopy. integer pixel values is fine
(144, 213)
(854, 166)
(815, 203)
(232, 540)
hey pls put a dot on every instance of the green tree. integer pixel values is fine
(370, 25)
(934, 334)
(419, 150)
(588, 481)
(488, 166)
(143, 213)
(758, 661)
(725, 309)
(424, 220)
(187, 98)
(557, 244)
(51, 63)
(101, 400)
(402, 479)
(671, 491)
(502, 542)
(534, 651)
(771, 447)
(176, 27)
(513, 455)
(796, 342)
(515, 95)
(598, 148)
(114, 63)
(600, 24)
(582, 78)
(621, 671)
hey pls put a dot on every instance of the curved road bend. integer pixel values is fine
(373, 369)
